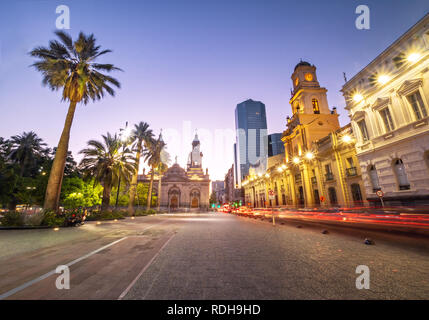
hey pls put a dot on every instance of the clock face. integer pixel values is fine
(296, 81)
(308, 77)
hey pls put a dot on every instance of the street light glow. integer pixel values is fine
(382, 79)
(309, 155)
(413, 57)
(295, 160)
(267, 175)
(347, 138)
(280, 169)
(358, 97)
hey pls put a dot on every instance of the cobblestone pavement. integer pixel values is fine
(209, 256)
(228, 257)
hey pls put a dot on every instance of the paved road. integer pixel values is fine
(208, 256)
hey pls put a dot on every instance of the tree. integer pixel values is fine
(105, 162)
(71, 66)
(142, 136)
(213, 198)
(154, 156)
(27, 150)
(162, 167)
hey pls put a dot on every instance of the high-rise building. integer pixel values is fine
(218, 188)
(275, 144)
(252, 140)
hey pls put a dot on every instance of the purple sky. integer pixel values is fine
(188, 63)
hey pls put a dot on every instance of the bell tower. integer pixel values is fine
(311, 117)
(307, 95)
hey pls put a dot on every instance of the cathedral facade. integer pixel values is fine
(184, 190)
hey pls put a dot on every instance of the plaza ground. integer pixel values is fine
(210, 256)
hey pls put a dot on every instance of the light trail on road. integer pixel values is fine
(341, 215)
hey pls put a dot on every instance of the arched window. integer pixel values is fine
(373, 176)
(332, 195)
(401, 175)
(315, 104)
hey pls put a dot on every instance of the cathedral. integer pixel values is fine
(184, 190)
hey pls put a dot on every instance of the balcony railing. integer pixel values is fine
(351, 172)
(313, 180)
(329, 176)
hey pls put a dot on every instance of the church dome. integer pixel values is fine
(302, 63)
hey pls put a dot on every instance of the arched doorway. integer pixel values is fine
(174, 202)
(316, 197)
(301, 195)
(356, 193)
(332, 195)
(195, 199)
(174, 198)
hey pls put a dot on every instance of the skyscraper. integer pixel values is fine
(275, 144)
(252, 140)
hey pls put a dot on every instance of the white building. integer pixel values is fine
(388, 102)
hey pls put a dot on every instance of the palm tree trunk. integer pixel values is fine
(133, 187)
(55, 177)
(107, 188)
(159, 191)
(149, 193)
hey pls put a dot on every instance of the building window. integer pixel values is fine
(363, 130)
(373, 176)
(401, 175)
(283, 199)
(387, 119)
(329, 176)
(316, 108)
(417, 104)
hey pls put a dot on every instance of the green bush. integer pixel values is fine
(51, 219)
(151, 211)
(34, 219)
(13, 219)
(105, 215)
(140, 213)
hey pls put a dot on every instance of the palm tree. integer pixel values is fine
(154, 156)
(106, 162)
(26, 150)
(142, 137)
(162, 167)
(71, 66)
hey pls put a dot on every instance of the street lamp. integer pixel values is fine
(357, 97)
(309, 155)
(413, 57)
(346, 138)
(31, 194)
(124, 134)
(295, 160)
(383, 79)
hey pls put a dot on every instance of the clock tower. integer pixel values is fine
(311, 120)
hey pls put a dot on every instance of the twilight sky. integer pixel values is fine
(188, 63)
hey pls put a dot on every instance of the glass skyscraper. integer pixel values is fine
(275, 144)
(252, 140)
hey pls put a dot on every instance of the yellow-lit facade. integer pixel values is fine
(319, 166)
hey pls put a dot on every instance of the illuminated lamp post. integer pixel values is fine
(123, 136)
